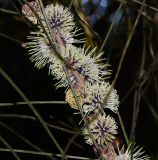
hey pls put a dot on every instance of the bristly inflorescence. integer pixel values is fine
(84, 68)
(134, 152)
(103, 129)
(39, 49)
(63, 28)
(87, 73)
(96, 97)
(60, 18)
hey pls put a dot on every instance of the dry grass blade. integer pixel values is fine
(127, 44)
(34, 119)
(137, 94)
(146, 5)
(45, 154)
(32, 108)
(10, 149)
(11, 38)
(111, 27)
(32, 102)
(71, 3)
(19, 136)
(151, 108)
(8, 11)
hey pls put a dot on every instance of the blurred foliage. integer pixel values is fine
(137, 83)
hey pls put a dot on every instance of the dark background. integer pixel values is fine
(38, 85)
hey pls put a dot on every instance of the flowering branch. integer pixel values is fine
(82, 73)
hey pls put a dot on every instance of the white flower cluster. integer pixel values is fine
(86, 70)
(136, 154)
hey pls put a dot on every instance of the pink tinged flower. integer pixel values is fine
(60, 18)
(97, 96)
(73, 59)
(136, 154)
(40, 49)
(62, 25)
(64, 38)
(84, 67)
(103, 129)
(92, 66)
(29, 13)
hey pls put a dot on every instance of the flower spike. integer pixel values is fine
(137, 154)
(84, 67)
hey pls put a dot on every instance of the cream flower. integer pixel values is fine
(61, 23)
(93, 66)
(39, 49)
(137, 152)
(84, 67)
(103, 129)
(60, 18)
(96, 94)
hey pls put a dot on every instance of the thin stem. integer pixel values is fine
(146, 5)
(8, 11)
(10, 149)
(128, 93)
(32, 102)
(32, 108)
(17, 116)
(156, 87)
(62, 129)
(142, 13)
(44, 154)
(22, 138)
(137, 96)
(70, 142)
(141, 3)
(81, 111)
(19, 136)
(47, 23)
(143, 52)
(34, 119)
(11, 38)
(27, 152)
(111, 27)
(151, 108)
(71, 3)
(123, 128)
(136, 107)
(127, 44)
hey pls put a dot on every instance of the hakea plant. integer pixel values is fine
(87, 74)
